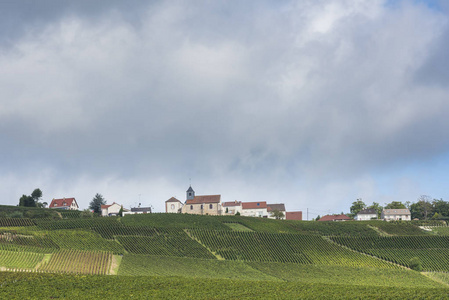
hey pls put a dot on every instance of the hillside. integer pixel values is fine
(166, 254)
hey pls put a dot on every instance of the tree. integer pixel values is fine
(317, 218)
(277, 214)
(86, 214)
(441, 207)
(357, 206)
(415, 264)
(31, 201)
(377, 207)
(395, 205)
(422, 209)
(96, 203)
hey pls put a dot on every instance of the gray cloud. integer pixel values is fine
(273, 100)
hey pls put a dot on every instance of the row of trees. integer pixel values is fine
(424, 208)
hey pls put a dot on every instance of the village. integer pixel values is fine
(212, 205)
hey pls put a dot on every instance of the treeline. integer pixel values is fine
(425, 208)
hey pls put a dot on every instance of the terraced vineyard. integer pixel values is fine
(433, 251)
(161, 252)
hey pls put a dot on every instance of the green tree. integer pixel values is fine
(31, 201)
(277, 214)
(357, 206)
(317, 218)
(86, 214)
(415, 264)
(96, 203)
(441, 207)
(395, 205)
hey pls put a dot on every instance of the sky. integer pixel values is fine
(314, 104)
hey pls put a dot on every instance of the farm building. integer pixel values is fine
(366, 214)
(275, 207)
(335, 218)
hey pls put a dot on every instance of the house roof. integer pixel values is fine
(293, 215)
(370, 211)
(334, 218)
(254, 205)
(204, 199)
(279, 207)
(402, 211)
(232, 203)
(108, 205)
(144, 209)
(64, 202)
(172, 199)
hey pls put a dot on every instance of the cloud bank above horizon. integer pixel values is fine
(311, 103)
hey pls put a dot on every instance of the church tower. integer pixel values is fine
(190, 194)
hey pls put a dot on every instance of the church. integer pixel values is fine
(199, 205)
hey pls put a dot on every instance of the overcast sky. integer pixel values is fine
(311, 103)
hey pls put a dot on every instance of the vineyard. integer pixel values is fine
(301, 256)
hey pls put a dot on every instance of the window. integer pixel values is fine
(191, 207)
(190, 194)
(211, 206)
(201, 206)
(172, 206)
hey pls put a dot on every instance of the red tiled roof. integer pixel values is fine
(107, 205)
(204, 199)
(172, 199)
(279, 207)
(232, 203)
(254, 205)
(293, 215)
(64, 202)
(334, 218)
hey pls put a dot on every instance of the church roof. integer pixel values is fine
(204, 199)
(190, 189)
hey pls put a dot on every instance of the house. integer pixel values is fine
(231, 208)
(293, 215)
(275, 207)
(201, 205)
(366, 214)
(254, 209)
(136, 211)
(335, 218)
(64, 203)
(113, 209)
(396, 214)
(173, 205)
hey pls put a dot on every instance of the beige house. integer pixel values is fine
(396, 214)
(173, 205)
(201, 205)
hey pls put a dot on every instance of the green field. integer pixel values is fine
(205, 257)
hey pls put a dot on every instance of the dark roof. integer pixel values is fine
(172, 199)
(136, 209)
(204, 199)
(334, 218)
(232, 203)
(279, 207)
(64, 202)
(190, 189)
(370, 211)
(254, 205)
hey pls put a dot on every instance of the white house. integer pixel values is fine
(254, 209)
(173, 205)
(366, 214)
(137, 210)
(396, 214)
(231, 208)
(110, 209)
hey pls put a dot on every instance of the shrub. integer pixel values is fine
(415, 264)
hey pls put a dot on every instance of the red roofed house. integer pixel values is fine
(111, 209)
(335, 218)
(231, 208)
(254, 209)
(201, 205)
(173, 205)
(64, 203)
(293, 215)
